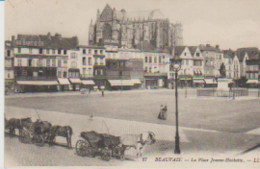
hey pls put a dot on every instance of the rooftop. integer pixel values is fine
(45, 41)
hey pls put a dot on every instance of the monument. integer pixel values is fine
(222, 86)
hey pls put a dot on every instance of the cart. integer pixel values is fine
(28, 136)
(105, 145)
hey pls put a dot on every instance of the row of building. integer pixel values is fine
(126, 50)
(52, 62)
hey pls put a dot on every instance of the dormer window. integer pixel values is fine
(185, 54)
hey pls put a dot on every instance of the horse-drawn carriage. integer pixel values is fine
(105, 145)
(37, 133)
(108, 146)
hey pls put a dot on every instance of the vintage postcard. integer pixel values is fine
(131, 83)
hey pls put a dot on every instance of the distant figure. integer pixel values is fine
(163, 113)
(89, 90)
(91, 117)
(103, 94)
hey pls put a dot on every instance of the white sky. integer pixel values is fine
(229, 23)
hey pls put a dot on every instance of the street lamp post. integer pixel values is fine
(235, 82)
(185, 83)
(177, 67)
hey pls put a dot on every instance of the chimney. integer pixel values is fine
(49, 35)
(217, 46)
(58, 35)
(13, 38)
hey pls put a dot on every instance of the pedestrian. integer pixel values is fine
(103, 94)
(89, 90)
(164, 112)
(160, 116)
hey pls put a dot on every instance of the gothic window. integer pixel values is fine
(107, 31)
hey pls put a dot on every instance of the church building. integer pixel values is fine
(144, 30)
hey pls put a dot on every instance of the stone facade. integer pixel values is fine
(139, 29)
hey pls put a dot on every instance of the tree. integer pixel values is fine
(222, 70)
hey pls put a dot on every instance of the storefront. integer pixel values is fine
(36, 86)
(75, 84)
(185, 81)
(154, 81)
(198, 82)
(63, 84)
(9, 85)
(88, 84)
(210, 82)
(137, 83)
(121, 84)
(252, 83)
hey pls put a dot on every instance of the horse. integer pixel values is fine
(14, 123)
(41, 127)
(64, 131)
(138, 141)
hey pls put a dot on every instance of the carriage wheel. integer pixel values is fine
(83, 148)
(39, 140)
(25, 137)
(106, 154)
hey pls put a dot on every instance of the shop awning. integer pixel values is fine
(37, 83)
(87, 82)
(252, 81)
(187, 78)
(63, 81)
(210, 81)
(136, 81)
(75, 80)
(198, 81)
(121, 82)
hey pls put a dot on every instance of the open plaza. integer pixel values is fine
(208, 125)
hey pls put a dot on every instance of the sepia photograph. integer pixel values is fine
(131, 83)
